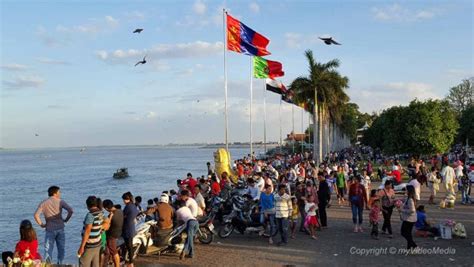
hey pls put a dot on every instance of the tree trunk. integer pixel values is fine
(315, 127)
(320, 137)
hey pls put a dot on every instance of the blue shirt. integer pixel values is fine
(130, 212)
(267, 202)
(420, 220)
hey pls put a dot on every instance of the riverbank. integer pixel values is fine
(337, 245)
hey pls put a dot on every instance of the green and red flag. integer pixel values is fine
(263, 68)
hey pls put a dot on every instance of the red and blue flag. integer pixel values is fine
(243, 39)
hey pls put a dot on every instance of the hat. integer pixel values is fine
(164, 198)
(394, 168)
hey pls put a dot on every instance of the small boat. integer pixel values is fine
(121, 173)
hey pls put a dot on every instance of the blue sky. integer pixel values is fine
(68, 74)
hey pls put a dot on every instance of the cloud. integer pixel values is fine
(56, 107)
(295, 40)
(378, 97)
(50, 61)
(254, 7)
(130, 112)
(14, 67)
(22, 82)
(150, 115)
(460, 73)
(49, 38)
(397, 12)
(161, 51)
(135, 15)
(199, 7)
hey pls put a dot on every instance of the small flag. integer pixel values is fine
(263, 68)
(243, 39)
(275, 86)
(288, 96)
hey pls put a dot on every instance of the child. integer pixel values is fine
(422, 224)
(295, 214)
(374, 217)
(373, 197)
(27, 247)
(150, 209)
(311, 221)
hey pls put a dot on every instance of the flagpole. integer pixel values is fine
(265, 116)
(302, 130)
(293, 125)
(226, 130)
(281, 143)
(251, 100)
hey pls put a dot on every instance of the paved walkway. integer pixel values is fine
(337, 245)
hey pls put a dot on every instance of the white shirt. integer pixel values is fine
(193, 206)
(458, 171)
(254, 191)
(417, 186)
(448, 174)
(308, 206)
(200, 201)
(184, 214)
(260, 184)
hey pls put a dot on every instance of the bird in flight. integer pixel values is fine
(141, 62)
(137, 30)
(329, 40)
(37, 134)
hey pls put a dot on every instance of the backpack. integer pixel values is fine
(386, 200)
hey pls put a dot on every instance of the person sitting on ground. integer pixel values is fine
(184, 215)
(422, 223)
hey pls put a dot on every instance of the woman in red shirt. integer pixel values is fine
(27, 247)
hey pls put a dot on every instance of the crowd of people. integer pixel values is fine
(292, 193)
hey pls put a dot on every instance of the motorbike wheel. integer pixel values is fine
(135, 250)
(206, 237)
(226, 230)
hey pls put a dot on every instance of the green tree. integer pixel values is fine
(323, 91)
(466, 123)
(462, 95)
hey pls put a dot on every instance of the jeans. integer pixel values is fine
(387, 215)
(357, 214)
(282, 224)
(465, 195)
(406, 230)
(302, 215)
(90, 258)
(271, 220)
(375, 229)
(192, 228)
(59, 237)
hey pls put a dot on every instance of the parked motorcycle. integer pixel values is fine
(141, 241)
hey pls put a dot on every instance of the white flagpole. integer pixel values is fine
(293, 125)
(225, 82)
(265, 116)
(281, 142)
(251, 100)
(302, 130)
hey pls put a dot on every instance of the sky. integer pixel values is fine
(68, 75)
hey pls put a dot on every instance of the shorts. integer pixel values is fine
(129, 248)
(340, 191)
(311, 221)
(112, 246)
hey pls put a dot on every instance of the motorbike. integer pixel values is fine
(399, 188)
(243, 218)
(141, 241)
(172, 242)
(206, 232)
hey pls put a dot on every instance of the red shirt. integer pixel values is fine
(215, 189)
(190, 182)
(397, 176)
(22, 246)
(240, 170)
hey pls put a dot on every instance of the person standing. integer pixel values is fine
(447, 172)
(267, 210)
(341, 185)
(183, 214)
(324, 196)
(358, 199)
(89, 251)
(387, 197)
(114, 231)
(130, 213)
(408, 217)
(416, 184)
(51, 209)
(283, 210)
(433, 183)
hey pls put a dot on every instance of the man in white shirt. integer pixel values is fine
(191, 204)
(414, 182)
(448, 178)
(260, 182)
(199, 199)
(253, 189)
(184, 214)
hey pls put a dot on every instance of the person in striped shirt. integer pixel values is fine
(283, 209)
(89, 251)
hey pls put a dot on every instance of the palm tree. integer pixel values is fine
(323, 91)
